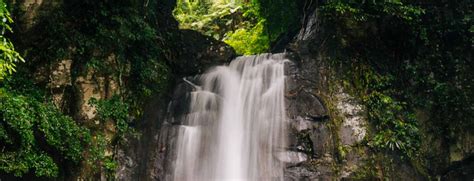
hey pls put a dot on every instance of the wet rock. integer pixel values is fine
(179, 104)
(300, 174)
(291, 157)
(311, 81)
(301, 124)
(306, 104)
(127, 165)
(197, 52)
(300, 94)
(321, 139)
(353, 129)
(353, 160)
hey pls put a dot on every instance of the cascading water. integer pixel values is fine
(236, 123)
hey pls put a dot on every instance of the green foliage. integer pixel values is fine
(116, 39)
(8, 55)
(110, 166)
(113, 109)
(214, 18)
(233, 22)
(394, 125)
(396, 128)
(97, 157)
(33, 134)
(401, 56)
(148, 76)
(248, 41)
(358, 11)
(281, 16)
(248, 26)
(376, 166)
(96, 151)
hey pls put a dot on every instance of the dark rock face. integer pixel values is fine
(463, 170)
(300, 173)
(325, 119)
(163, 146)
(327, 125)
(311, 137)
(311, 155)
(196, 52)
(334, 123)
(321, 138)
(309, 121)
(149, 156)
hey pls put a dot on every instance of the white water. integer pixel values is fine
(237, 123)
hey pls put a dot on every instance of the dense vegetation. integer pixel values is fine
(34, 135)
(405, 60)
(8, 56)
(113, 40)
(250, 27)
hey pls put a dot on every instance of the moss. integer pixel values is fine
(368, 171)
(393, 79)
(335, 123)
(116, 41)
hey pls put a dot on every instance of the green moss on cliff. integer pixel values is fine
(117, 42)
(399, 57)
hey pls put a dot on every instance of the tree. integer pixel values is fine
(8, 55)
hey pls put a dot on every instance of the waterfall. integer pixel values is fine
(236, 123)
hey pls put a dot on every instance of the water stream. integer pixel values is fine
(236, 123)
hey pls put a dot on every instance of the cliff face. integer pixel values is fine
(329, 127)
(72, 85)
(328, 124)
